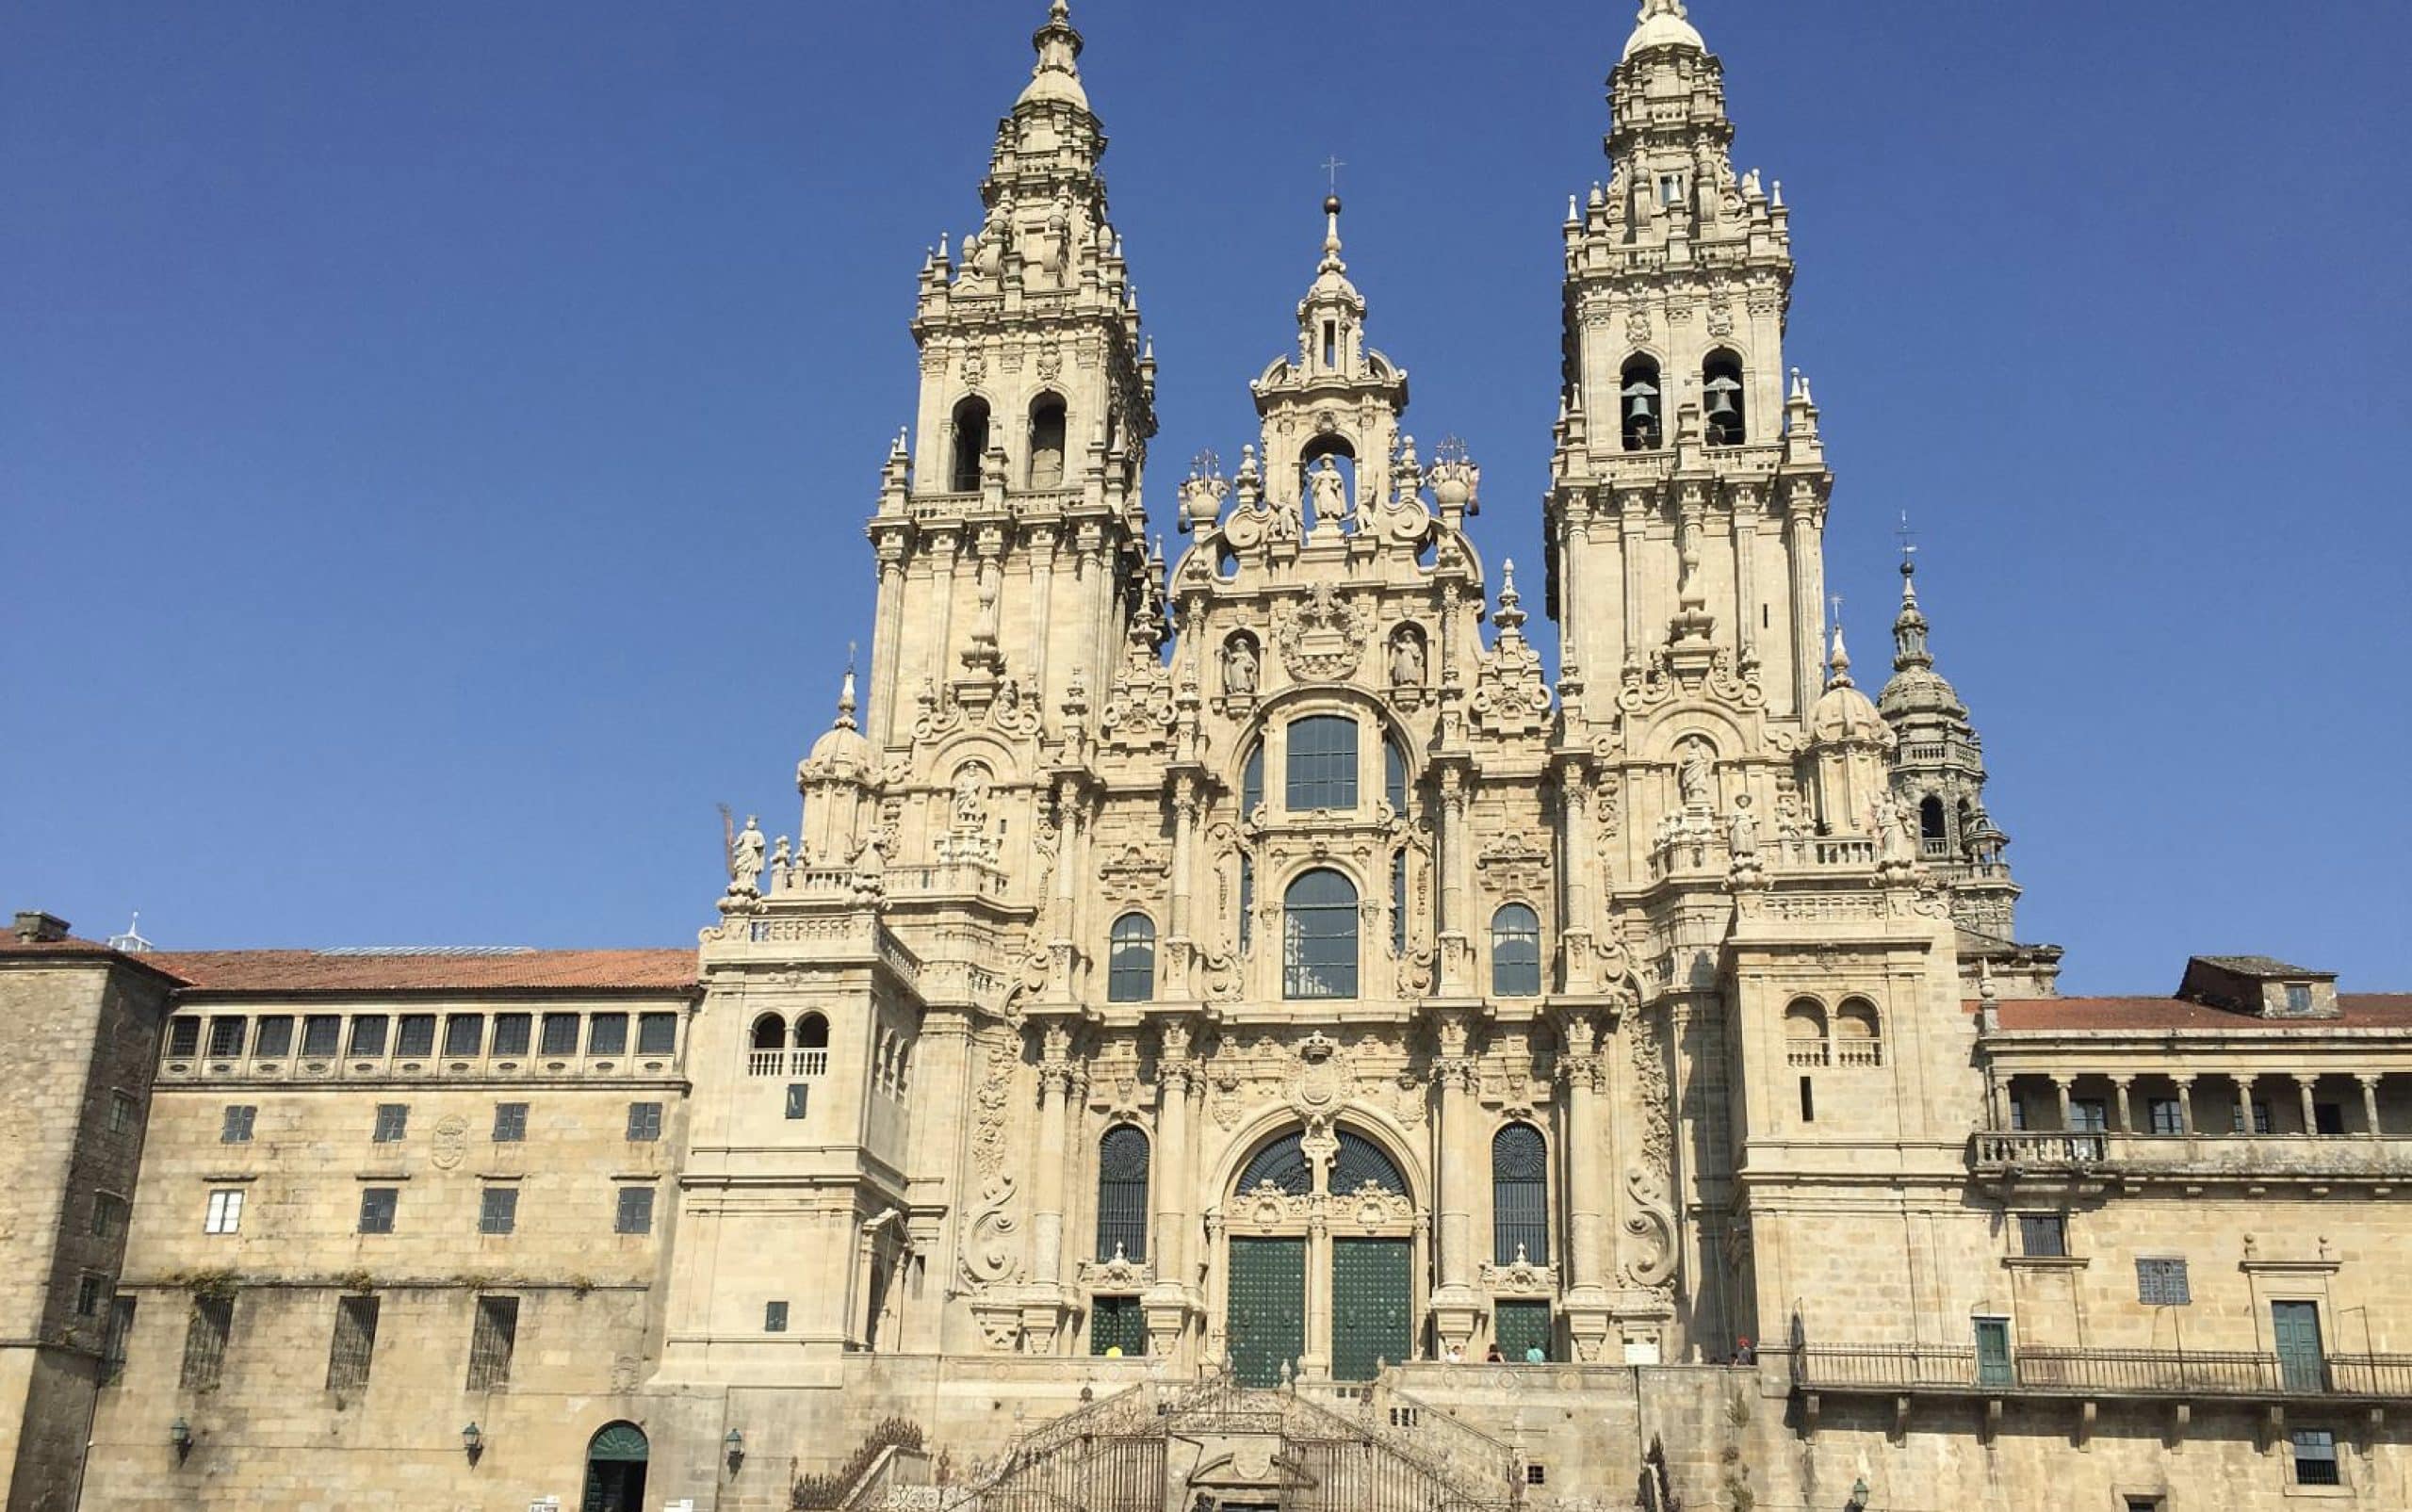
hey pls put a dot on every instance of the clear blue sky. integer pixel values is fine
(435, 438)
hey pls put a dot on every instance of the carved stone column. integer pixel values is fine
(2119, 1085)
(1169, 1302)
(1456, 1307)
(2185, 1104)
(1042, 590)
(944, 544)
(2370, 1106)
(1455, 861)
(2310, 1118)
(884, 639)
(1588, 1306)
(1178, 942)
(1047, 1190)
(1804, 529)
(1577, 855)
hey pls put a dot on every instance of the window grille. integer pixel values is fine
(377, 1209)
(635, 1214)
(355, 1343)
(645, 1122)
(510, 1032)
(235, 1126)
(1323, 763)
(1122, 1193)
(393, 1122)
(510, 1122)
(226, 1038)
(369, 1034)
(1520, 1196)
(205, 1335)
(1284, 1165)
(560, 1034)
(2316, 1458)
(224, 1214)
(498, 1209)
(465, 1033)
(1515, 952)
(1361, 1160)
(2162, 1283)
(657, 1034)
(183, 1036)
(608, 1034)
(274, 1040)
(1131, 968)
(1118, 1324)
(321, 1036)
(415, 1036)
(1319, 937)
(2043, 1236)
(490, 1338)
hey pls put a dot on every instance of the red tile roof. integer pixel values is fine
(269, 971)
(2362, 1010)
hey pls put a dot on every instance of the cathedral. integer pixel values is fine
(1239, 1028)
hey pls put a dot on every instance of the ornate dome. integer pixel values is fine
(1663, 26)
(843, 753)
(1057, 77)
(1844, 716)
(1916, 687)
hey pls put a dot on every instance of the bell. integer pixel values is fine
(1720, 397)
(1642, 406)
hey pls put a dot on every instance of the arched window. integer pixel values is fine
(1131, 962)
(1247, 902)
(615, 1461)
(1519, 1196)
(812, 1033)
(1122, 1194)
(1047, 441)
(1641, 395)
(1319, 937)
(1515, 952)
(1323, 763)
(1858, 1037)
(1359, 1163)
(1394, 776)
(971, 444)
(1398, 903)
(1252, 781)
(1722, 400)
(1283, 1164)
(769, 1033)
(1805, 1031)
(1934, 825)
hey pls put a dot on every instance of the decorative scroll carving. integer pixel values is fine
(1650, 1252)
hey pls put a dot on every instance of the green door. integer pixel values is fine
(1521, 1326)
(1267, 1321)
(1992, 1351)
(2296, 1326)
(1118, 1324)
(1370, 1306)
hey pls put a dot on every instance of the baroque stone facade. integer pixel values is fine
(1253, 1002)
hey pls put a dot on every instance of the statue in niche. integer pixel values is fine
(1696, 773)
(747, 857)
(972, 799)
(984, 623)
(1742, 830)
(1240, 667)
(1407, 658)
(1330, 493)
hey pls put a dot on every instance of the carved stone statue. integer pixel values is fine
(1407, 659)
(747, 855)
(1896, 828)
(971, 798)
(1239, 667)
(985, 623)
(780, 863)
(1742, 830)
(1330, 495)
(1696, 773)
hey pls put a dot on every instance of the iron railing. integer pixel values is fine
(2053, 1372)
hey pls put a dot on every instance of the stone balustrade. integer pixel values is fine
(2002, 1153)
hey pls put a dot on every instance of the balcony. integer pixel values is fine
(2250, 1159)
(805, 1063)
(1939, 1370)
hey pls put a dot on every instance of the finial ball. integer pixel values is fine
(1332, 204)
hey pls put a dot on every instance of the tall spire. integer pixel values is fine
(1058, 75)
(1663, 23)
(1909, 630)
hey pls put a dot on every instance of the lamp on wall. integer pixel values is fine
(473, 1442)
(735, 1444)
(1859, 1494)
(180, 1435)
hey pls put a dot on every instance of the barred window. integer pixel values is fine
(510, 1122)
(645, 1122)
(498, 1209)
(113, 1343)
(2316, 1458)
(2161, 1283)
(1122, 1193)
(393, 1122)
(415, 1036)
(608, 1034)
(377, 1209)
(224, 1214)
(657, 1034)
(635, 1214)
(355, 1343)
(1515, 952)
(465, 1033)
(511, 1034)
(205, 1335)
(1519, 1196)
(235, 1126)
(2042, 1235)
(275, 1038)
(1323, 763)
(322, 1035)
(183, 1036)
(369, 1034)
(226, 1037)
(1130, 960)
(560, 1034)
(490, 1338)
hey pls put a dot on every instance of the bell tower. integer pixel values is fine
(1009, 533)
(1688, 502)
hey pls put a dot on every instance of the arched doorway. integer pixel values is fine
(615, 1459)
(1320, 1260)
